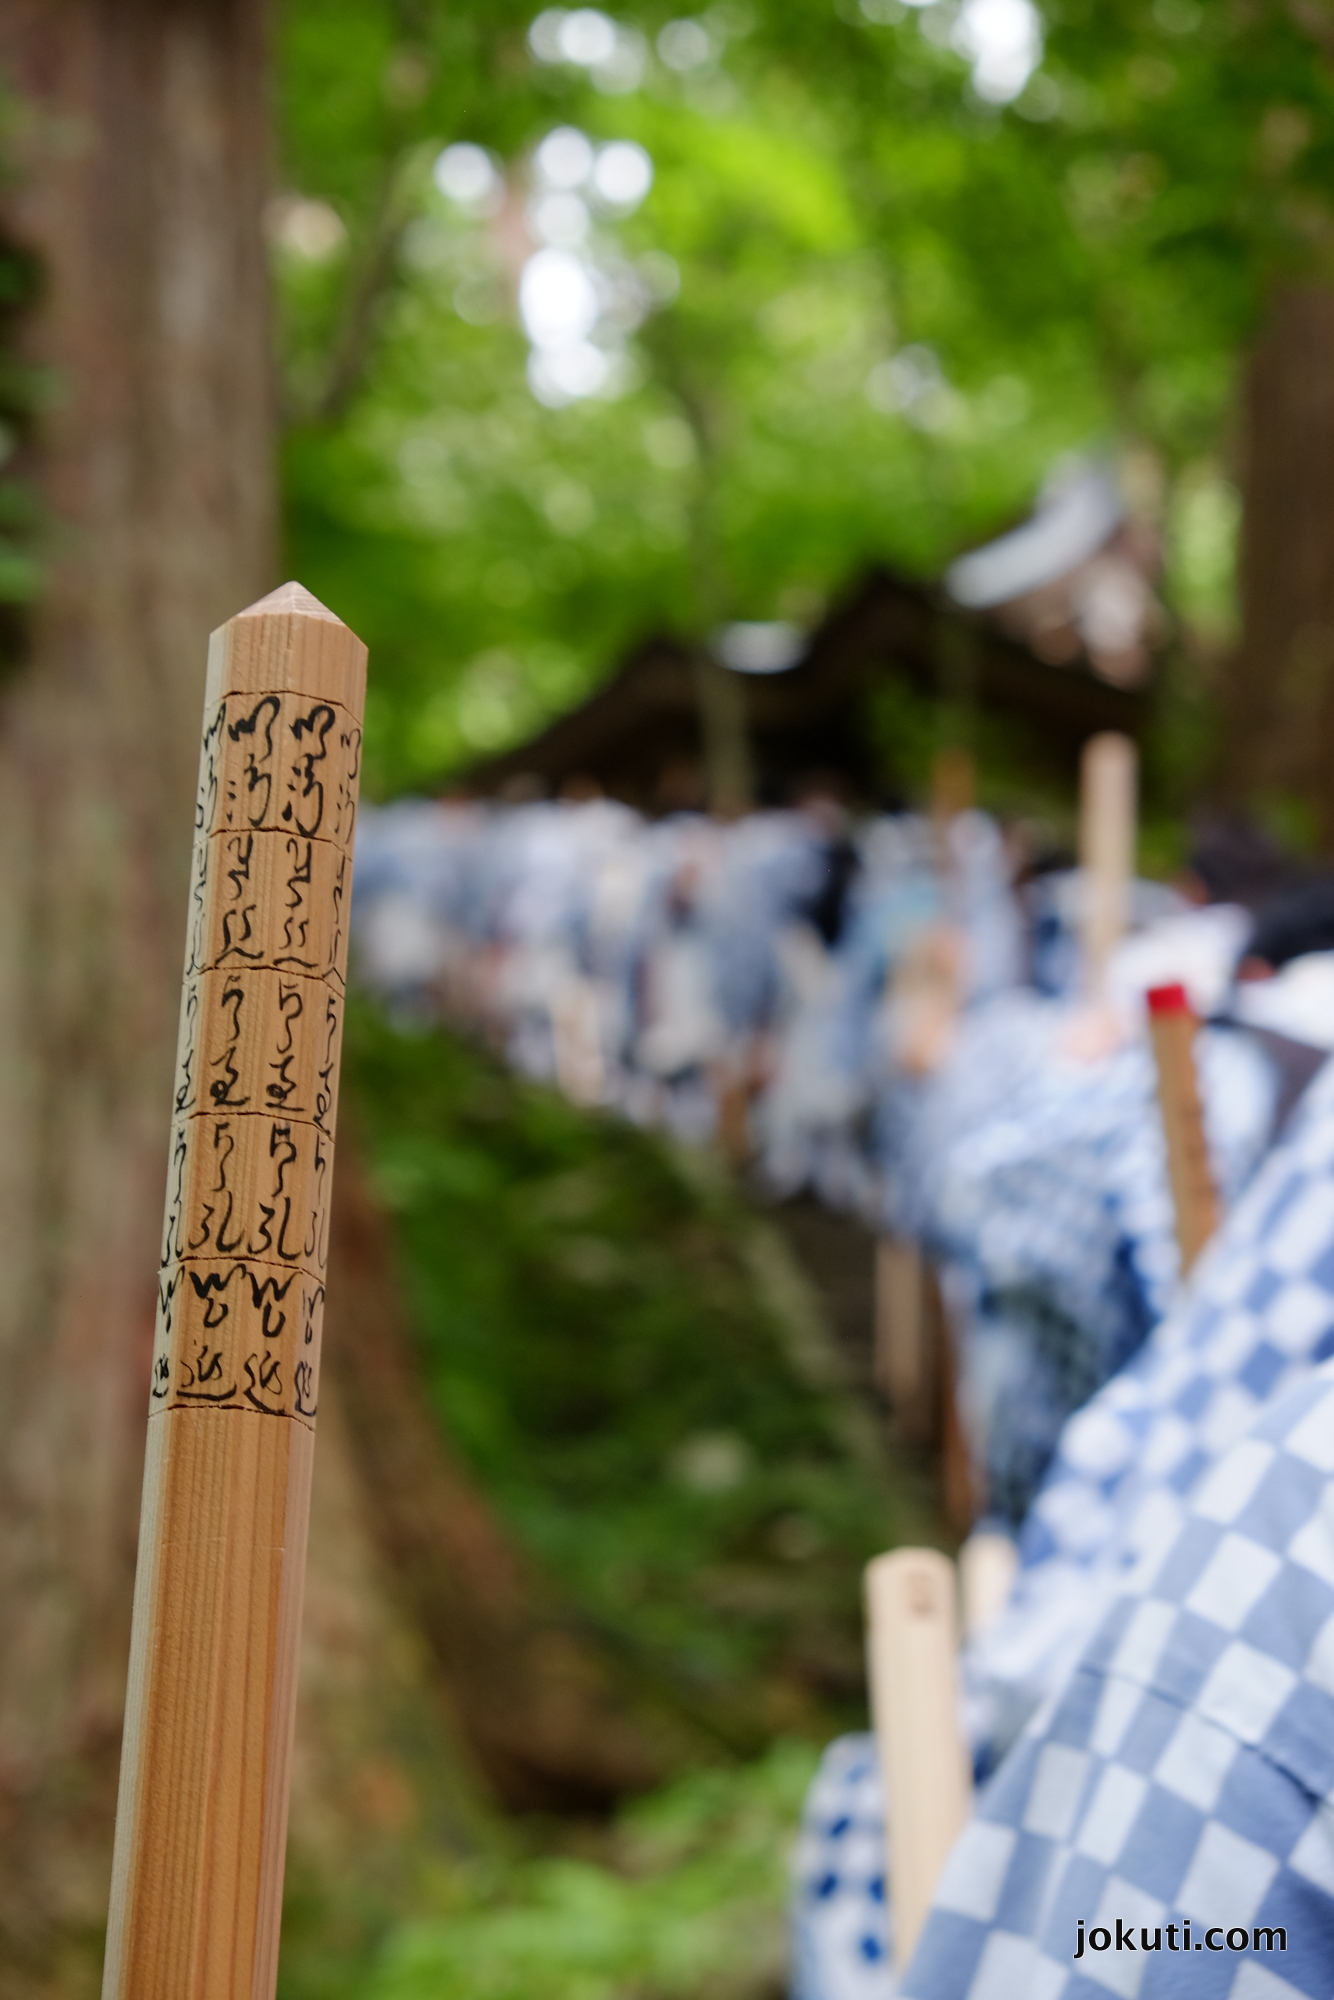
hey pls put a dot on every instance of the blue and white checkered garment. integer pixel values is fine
(1184, 1772)
(841, 1935)
(1039, 1184)
(1257, 1318)
(1257, 1314)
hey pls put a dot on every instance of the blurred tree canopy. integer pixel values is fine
(874, 290)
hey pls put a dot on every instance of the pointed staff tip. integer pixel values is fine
(288, 643)
(293, 599)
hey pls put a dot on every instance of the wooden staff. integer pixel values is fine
(961, 1491)
(1106, 849)
(731, 1098)
(923, 1003)
(201, 1823)
(987, 1565)
(577, 1040)
(1172, 1026)
(902, 1356)
(914, 1706)
(953, 787)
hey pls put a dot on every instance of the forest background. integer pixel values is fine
(876, 290)
(823, 284)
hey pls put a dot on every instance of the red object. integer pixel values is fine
(1171, 999)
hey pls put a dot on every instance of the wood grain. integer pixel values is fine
(202, 1817)
(248, 1185)
(281, 763)
(236, 1333)
(273, 900)
(914, 1705)
(255, 1040)
(196, 1886)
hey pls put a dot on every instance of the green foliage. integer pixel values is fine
(1081, 267)
(608, 1337)
(620, 1351)
(499, 554)
(1202, 545)
(1165, 162)
(688, 1905)
(882, 308)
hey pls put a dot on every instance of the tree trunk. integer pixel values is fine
(140, 189)
(1278, 695)
(728, 771)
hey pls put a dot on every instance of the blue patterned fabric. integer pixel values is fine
(646, 963)
(1184, 1773)
(1259, 1312)
(841, 1932)
(1038, 1181)
(664, 967)
(1254, 1326)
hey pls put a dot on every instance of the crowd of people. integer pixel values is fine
(899, 1017)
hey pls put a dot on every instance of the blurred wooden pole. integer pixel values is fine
(913, 1647)
(202, 1817)
(1172, 1027)
(725, 737)
(953, 786)
(730, 1082)
(902, 1363)
(1106, 849)
(987, 1565)
(960, 1480)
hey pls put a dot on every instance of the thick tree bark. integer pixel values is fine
(143, 173)
(142, 181)
(1278, 694)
